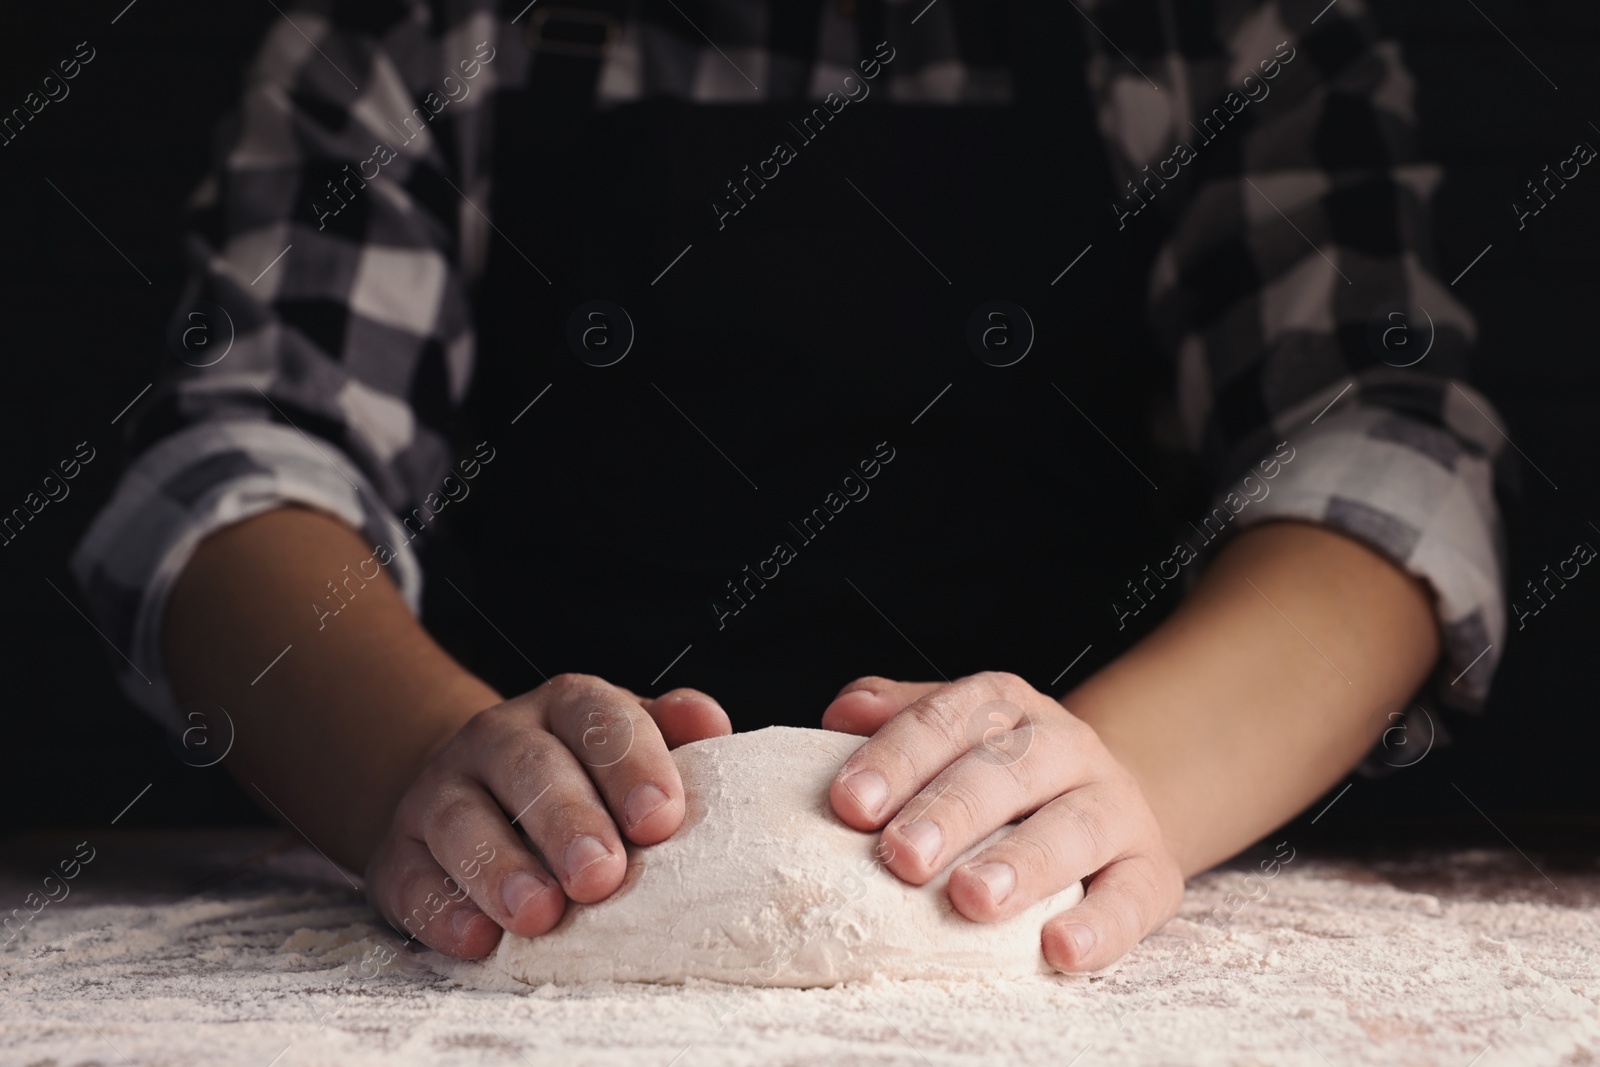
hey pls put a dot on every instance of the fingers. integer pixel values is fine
(1124, 903)
(922, 740)
(541, 785)
(975, 796)
(558, 761)
(685, 715)
(1066, 840)
(623, 752)
(469, 837)
(867, 703)
(947, 765)
(410, 890)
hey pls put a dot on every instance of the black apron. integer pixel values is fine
(699, 512)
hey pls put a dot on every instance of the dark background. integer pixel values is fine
(87, 332)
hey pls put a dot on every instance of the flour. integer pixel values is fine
(1436, 957)
(763, 885)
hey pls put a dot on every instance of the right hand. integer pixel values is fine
(571, 763)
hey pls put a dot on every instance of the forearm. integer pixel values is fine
(1269, 682)
(336, 729)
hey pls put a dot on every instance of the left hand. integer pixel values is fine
(947, 765)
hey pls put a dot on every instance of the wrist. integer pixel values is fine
(1269, 682)
(424, 728)
(1096, 706)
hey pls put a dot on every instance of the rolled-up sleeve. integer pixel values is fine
(1295, 293)
(328, 276)
(190, 485)
(1418, 491)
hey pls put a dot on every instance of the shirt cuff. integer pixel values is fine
(1421, 496)
(183, 489)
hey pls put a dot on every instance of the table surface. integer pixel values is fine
(246, 947)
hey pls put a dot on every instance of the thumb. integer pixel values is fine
(867, 703)
(685, 715)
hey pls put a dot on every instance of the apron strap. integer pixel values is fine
(567, 43)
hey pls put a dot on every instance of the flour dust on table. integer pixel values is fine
(763, 885)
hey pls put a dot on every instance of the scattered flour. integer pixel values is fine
(1436, 958)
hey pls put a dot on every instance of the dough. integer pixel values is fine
(763, 885)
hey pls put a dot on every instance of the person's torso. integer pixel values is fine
(815, 399)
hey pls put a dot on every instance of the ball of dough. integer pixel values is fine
(763, 885)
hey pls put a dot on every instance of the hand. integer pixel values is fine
(569, 763)
(949, 764)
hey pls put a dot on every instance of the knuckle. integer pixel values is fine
(1003, 683)
(937, 717)
(968, 804)
(604, 734)
(418, 887)
(1014, 753)
(1090, 826)
(606, 716)
(572, 686)
(1036, 773)
(490, 730)
(488, 723)
(569, 817)
(449, 815)
(530, 758)
(1033, 854)
(896, 758)
(419, 803)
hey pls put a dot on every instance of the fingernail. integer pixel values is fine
(925, 837)
(643, 801)
(870, 790)
(519, 888)
(584, 853)
(1001, 878)
(462, 921)
(1082, 939)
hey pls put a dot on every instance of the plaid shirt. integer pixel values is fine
(1284, 242)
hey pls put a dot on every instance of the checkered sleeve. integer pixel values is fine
(1294, 289)
(325, 334)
